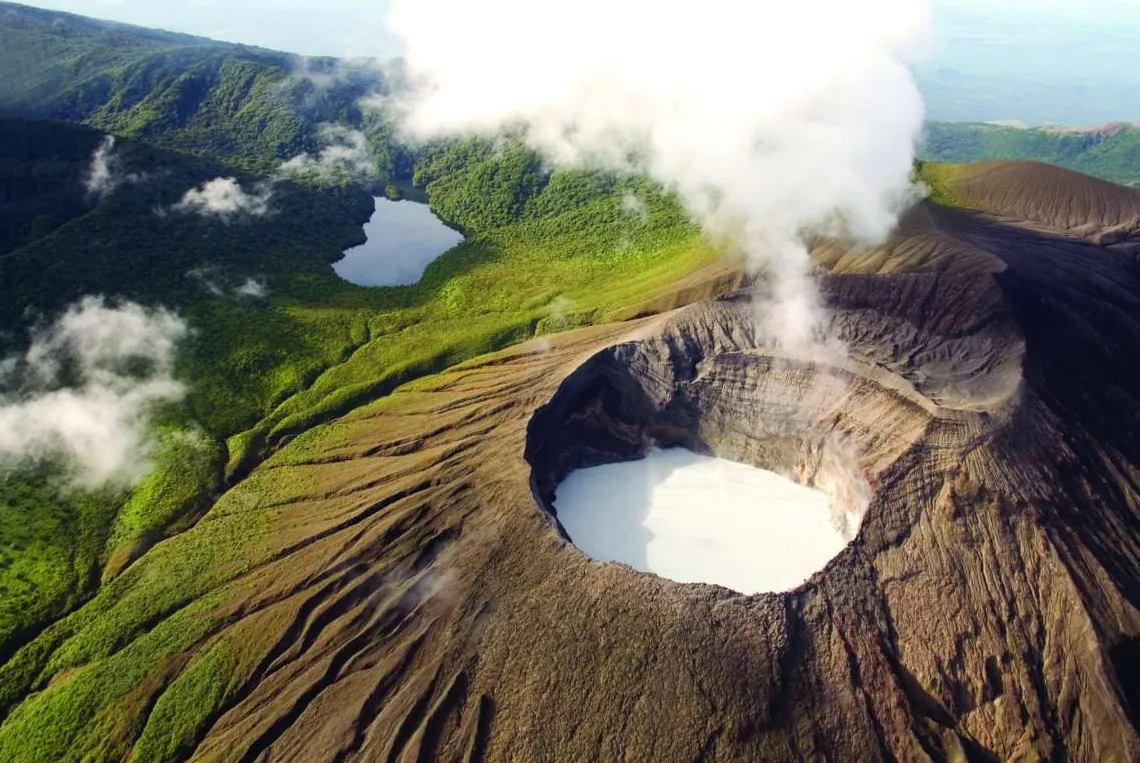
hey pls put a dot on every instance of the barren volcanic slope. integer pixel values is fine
(399, 590)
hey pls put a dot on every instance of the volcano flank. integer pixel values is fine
(415, 596)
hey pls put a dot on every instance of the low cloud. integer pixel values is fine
(86, 390)
(253, 289)
(101, 174)
(104, 174)
(372, 75)
(225, 199)
(215, 282)
(207, 278)
(345, 155)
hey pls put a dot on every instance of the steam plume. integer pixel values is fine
(772, 120)
(86, 388)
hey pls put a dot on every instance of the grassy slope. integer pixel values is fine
(938, 179)
(544, 252)
(500, 291)
(1112, 155)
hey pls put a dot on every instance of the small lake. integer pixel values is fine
(404, 237)
(699, 519)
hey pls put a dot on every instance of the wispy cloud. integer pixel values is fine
(214, 281)
(208, 279)
(345, 155)
(100, 175)
(104, 174)
(253, 289)
(634, 207)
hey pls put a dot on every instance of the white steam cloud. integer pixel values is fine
(345, 154)
(86, 388)
(772, 120)
(225, 199)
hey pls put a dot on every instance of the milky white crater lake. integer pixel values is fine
(404, 237)
(697, 519)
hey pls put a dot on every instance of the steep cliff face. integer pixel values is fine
(412, 596)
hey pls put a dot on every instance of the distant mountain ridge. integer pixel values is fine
(1110, 151)
(17, 15)
(246, 106)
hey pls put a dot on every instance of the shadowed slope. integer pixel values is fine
(929, 239)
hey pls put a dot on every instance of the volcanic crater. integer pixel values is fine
(836, 421)
(415, 599)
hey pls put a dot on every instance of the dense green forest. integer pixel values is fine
(1111, 152)
(248, 107)
(63, 243)
(42, 169)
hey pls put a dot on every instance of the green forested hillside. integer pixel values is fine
(544, 251)
(1111, 152)
(238, 104)
(42, 168)
(61, 244)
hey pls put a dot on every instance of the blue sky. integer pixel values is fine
(311, 27)
(1042, 38)
(356, 27)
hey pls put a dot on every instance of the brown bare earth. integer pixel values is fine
(1045, 195)
(416, 600)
